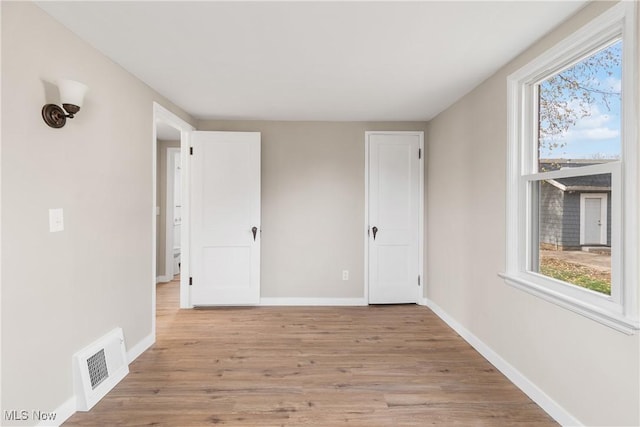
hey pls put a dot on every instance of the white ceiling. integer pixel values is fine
(312, 60)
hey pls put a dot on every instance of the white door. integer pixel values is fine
(225, 218)
(394, 213)
(593, 218)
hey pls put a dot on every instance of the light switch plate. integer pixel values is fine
(56, 220)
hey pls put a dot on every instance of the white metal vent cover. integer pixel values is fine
(98, 368)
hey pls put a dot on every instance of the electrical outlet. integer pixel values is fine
(345, 274)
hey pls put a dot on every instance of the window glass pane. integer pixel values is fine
(579, 112)
(572, 230)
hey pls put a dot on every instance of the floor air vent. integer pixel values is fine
(98, 368)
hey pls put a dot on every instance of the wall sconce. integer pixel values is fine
(71, 96)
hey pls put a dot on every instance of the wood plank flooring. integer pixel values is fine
(312, 366)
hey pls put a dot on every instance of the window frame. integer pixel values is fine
(620, 309)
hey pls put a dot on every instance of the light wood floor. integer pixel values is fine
(357, 366)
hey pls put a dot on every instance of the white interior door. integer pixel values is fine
(394, 217)
(225, 232)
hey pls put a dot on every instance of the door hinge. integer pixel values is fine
(190, 281)
(418, 280)
(419, 153)
(191, 150)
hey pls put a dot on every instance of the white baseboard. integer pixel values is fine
(556, 411)
(62, 413)
(163, 279)
(138, 349)
(312, 301)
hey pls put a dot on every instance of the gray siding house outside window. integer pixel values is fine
(560, 205)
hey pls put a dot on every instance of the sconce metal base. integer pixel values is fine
(54, 116)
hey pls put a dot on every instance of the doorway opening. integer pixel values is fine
(173, 222)
(170, 170)
(168, 205)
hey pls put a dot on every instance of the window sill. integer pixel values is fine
(612, 320)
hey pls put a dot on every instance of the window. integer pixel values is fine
(572, 192)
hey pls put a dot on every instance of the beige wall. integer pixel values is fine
(312, 204)
(161, 201)
(590, 370)
(61, 291)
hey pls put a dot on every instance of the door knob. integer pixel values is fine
(254, 230)
(375, 231)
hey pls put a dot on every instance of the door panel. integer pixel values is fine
(393, 264)
(226, 205)
(226, 266)
(394, 209)
(394, 184)
(593, 218)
